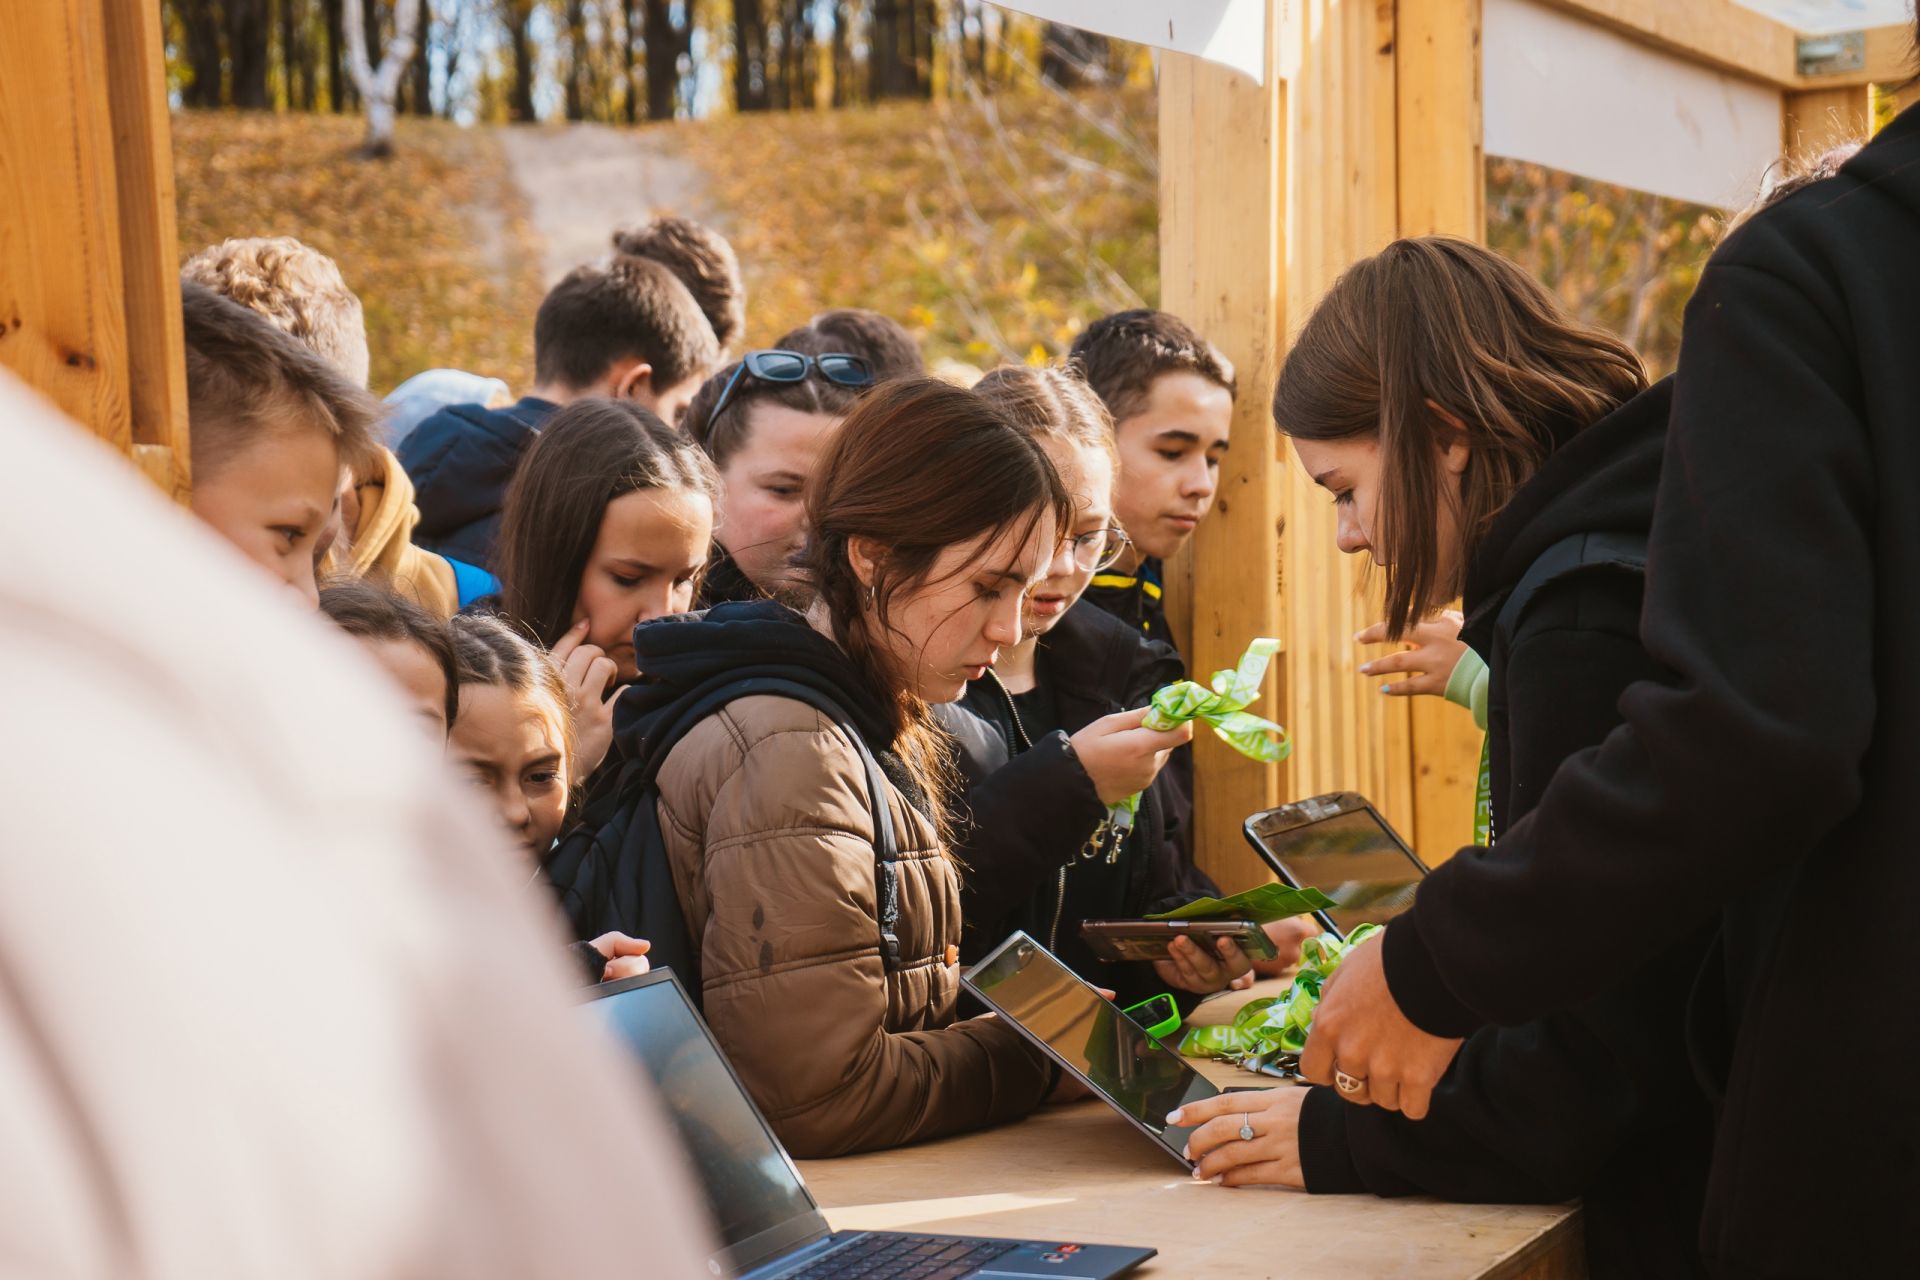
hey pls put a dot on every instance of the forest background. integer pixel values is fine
(988, 179)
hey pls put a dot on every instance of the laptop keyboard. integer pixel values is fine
(897, 1257)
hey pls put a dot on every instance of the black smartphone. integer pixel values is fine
(1117, 940)
(1339, 844)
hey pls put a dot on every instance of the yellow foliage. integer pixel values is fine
(435, 241)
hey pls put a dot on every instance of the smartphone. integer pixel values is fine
(1117, 940)
(1339, 844)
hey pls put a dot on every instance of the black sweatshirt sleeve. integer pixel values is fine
(1029, 818)
(1760, 600)
(1531, 1114)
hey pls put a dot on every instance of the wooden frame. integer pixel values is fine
(89, 277)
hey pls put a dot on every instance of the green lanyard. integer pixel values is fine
(1483, 798)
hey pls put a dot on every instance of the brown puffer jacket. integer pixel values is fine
(764, 811)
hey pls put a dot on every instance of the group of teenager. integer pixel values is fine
(852, 661)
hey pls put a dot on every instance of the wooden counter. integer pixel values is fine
(1079, 1172)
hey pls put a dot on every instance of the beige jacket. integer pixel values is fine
(274, 997)
(382, 545)
(764, 810)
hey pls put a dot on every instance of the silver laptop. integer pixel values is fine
(769, 1225)
(1089, 1036)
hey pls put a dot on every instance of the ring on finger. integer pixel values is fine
(1348, 1084)
(1246, 1128)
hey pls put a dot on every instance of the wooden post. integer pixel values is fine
(1443, 191)
(89, 291)
(1222, 156)
(1818, 120)
(1338, 57)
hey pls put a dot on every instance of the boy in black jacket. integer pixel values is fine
(624, 329)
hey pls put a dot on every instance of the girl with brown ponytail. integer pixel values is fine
(827, 962)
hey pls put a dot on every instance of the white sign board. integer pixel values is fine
(1230, 32)
(1572, 96)
(1824, 17)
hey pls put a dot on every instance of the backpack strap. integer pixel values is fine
(639, 774)
(1573, 554)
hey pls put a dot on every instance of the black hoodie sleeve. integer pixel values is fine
(1760, 601)
(1029, 818)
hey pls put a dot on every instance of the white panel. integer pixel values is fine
(1570, 95)
(1824, 17)
(1230, 32)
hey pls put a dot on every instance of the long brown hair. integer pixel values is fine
(918, 466)
(1445, 320)
(588, 454)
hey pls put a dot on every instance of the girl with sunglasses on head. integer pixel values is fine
(1052, 735)
(606, 525)
(826, 955)
(764, 421)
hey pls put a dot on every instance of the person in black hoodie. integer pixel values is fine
(1047, 741)
(1764, 780)
(1475, 439)
(623, 329)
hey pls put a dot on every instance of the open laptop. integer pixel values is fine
(1090, 1037)
(769, 1225)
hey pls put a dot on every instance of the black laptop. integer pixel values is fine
(770, 1228)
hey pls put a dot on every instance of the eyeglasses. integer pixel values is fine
(1096, 550)
(775, 365)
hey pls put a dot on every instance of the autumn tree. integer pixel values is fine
(379, 85)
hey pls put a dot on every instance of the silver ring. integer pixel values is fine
(1348, 1084)
(1246, 1128)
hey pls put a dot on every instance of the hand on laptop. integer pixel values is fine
(1271, 1159)
(1192, 967)
(626, 957)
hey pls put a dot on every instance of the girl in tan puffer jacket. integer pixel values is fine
(764, 806)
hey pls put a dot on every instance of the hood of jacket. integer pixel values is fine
(1599, 480)
(382, 542)
(685, 655)
(462, 458)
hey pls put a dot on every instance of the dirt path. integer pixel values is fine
(583, 180)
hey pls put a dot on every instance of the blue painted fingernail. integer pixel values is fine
(1385, 687)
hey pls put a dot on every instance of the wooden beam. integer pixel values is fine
(1222, 153)
(62, 324)
(1443, 190)
(1818, 120)
(149, 242)
(1343, 198)
(89, 275)
(1731, 38)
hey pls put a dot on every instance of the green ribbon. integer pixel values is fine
(1222, 706)
(1278, 1024)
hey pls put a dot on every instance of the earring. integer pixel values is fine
(872, 599)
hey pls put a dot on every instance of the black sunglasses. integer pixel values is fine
(774, 365)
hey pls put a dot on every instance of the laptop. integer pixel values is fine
(1089, 1036)
(769, 1225)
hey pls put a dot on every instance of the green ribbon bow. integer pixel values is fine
(1224, 707)
(1265, 1029)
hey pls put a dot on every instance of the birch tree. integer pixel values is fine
(379, 86)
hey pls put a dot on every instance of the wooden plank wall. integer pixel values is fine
(89, 292)
(1371, 127)
(1222, 247)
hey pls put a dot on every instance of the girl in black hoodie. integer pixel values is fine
(1051, 737)
(1478, 442)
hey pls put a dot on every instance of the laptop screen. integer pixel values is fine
(1089, 1035)
(750, 1184)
